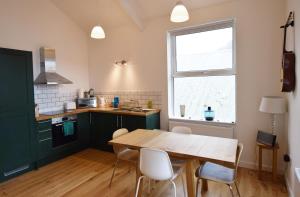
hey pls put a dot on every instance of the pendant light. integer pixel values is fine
(97, 32)
(179, 13)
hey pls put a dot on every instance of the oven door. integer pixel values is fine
(60, 136)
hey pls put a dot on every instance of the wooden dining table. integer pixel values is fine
(188, 147)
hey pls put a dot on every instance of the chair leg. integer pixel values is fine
(138, 186)
(113, 174)
(231, 190)
(183, 185)
(149, 185)
(174, 186)
(197, 187)
(237, 189)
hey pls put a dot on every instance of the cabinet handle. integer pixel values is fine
(42, 131)
(49, 138)
(16, 170)
(117, 121)
(121, 121)
(45, 121)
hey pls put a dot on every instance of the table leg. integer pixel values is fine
(259, 162)
(274, 167)
(190, 178)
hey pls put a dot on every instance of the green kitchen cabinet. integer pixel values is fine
(102, 127)
(47, 153)
(104, 124)
(16, 113)
(44, 139)
(132, 122)
(84, 129)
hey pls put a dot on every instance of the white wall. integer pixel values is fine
(293, 122)
(30, 24)
(258, 62)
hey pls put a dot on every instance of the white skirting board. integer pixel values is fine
(226, 131)
(288, 185)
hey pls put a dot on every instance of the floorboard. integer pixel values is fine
(87, 173)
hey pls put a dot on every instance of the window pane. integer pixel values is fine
(196, 93)
(205, 50)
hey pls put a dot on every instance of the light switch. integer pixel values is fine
(297, 171)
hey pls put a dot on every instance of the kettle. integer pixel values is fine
(92, 92)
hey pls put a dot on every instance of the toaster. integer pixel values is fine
(87, 102)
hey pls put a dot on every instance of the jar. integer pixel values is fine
(209, 114)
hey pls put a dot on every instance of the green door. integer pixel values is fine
(16, 112)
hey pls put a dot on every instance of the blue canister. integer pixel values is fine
(116, 102)
(209, 114)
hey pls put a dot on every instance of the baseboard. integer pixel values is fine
(288, 186)
(254, 166)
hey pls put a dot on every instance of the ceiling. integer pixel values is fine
(113, 13)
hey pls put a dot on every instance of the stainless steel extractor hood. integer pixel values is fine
(48, 73)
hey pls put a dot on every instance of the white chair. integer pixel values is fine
(156, 165)
(123, 153)
(182, 129)
(219, 173)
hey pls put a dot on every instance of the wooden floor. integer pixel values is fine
(87, 174)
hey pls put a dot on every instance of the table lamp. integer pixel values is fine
(272, 105)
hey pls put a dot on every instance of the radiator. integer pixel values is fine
(226, 131)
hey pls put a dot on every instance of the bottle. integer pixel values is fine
(149, 104)
(36, 111)
(116, 102)
(209, 114)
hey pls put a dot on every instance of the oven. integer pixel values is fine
(64, 130)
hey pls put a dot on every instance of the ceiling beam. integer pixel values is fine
(132, 9)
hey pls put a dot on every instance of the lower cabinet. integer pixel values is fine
(103, 126)
(44, 139)
(45, 151)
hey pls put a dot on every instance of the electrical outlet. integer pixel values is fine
(297, 171)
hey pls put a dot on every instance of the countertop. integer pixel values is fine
(98, 109)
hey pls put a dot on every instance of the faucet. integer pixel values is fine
(136, 102)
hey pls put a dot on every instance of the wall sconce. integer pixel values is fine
(121, 63)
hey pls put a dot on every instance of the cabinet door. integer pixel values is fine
(16, 112)
(103, 126)
(133, 122)
(44, 139)
(84, 129)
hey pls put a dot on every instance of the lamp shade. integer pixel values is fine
(97, 32)
(179, 13)
(272, 105)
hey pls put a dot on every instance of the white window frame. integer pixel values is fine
(172, 64)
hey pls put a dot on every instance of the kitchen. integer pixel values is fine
(123, 81)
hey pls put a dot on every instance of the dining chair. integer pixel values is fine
(182, 129)
(155, 164)
(218, 173)
(123, 153)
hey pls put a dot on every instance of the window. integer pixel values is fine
(202, 71)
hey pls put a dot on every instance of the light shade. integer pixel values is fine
(179, 13)
(97, 32)
(272, 105)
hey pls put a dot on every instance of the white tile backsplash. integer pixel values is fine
(52, 97)
(142, 96)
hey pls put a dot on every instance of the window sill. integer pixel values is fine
(214, 123)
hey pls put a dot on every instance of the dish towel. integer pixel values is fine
(68, 128)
